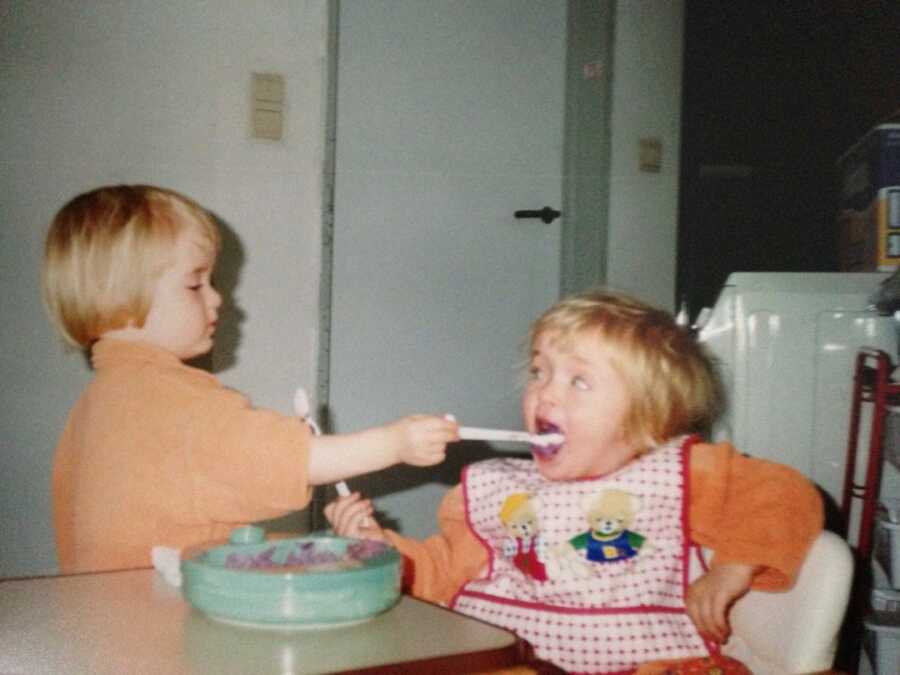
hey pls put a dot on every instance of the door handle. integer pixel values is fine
(546, 214)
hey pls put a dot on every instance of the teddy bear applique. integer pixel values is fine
(609, 538)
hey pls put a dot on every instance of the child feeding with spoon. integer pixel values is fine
(156, 452)
(584, 550)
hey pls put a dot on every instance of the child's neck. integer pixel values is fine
(133, 335)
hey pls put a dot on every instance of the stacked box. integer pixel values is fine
(869, 205)
(882, 643)
(882, 639)
(886, 600)
(887, 548)
(892, 440)
(891, 507)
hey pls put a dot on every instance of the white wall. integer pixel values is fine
(126, 91)
(646, 102)
(158, 92)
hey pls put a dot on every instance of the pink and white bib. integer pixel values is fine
(593, 572)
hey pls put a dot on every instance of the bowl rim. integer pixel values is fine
(191, 558)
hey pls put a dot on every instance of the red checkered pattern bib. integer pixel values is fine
(586, 600)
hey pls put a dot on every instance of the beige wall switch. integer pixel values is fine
(268, 106)
(268, 87)
(650, 154)
(267, 124)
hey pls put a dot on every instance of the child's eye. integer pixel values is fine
(580, 383)
(195, 287)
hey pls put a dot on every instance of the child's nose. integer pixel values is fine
(214, 299)
(549, 392)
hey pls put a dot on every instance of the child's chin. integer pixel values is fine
(547, 462)
(552, 471)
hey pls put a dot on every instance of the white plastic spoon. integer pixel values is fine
(482, 434)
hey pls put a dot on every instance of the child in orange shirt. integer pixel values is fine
(585, 550)
(156, 452)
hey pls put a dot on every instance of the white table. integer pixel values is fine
(133, 622)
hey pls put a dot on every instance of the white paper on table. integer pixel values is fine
(167, 561)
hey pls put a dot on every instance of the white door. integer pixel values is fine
(449, 119)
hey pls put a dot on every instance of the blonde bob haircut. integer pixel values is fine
(105, 251)
(671, 380)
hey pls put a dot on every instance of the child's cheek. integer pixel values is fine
(528, 404)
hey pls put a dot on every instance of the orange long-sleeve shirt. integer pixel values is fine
(746, 510)
(156, 452)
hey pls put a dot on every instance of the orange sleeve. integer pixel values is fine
(246, 463)
(753, 511)
(437, 567)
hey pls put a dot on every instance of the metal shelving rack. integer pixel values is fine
(872, 385)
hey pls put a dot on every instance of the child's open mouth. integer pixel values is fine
(547, 450)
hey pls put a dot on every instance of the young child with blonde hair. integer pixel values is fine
(585, 549)
(157, 452)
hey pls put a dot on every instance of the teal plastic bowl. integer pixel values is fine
(317, 581)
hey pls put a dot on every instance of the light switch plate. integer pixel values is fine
(268, 106)
(267, 124)
(650, 154)
(268, 87)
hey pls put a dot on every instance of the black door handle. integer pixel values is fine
(546, 214)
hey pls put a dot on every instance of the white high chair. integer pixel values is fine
(796, 631)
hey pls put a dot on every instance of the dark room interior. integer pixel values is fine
(774, 93)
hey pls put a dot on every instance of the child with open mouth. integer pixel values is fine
(587, 549)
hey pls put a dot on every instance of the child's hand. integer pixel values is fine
(422, 439)
(353, 516)
(709, 598)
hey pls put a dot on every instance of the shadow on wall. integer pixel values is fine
(223, 356)
(226, 278)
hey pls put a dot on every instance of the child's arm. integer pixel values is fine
(759, 517)
(435, 568)
(710, 597)
(353, 516)
(753, 512)
(420, 440)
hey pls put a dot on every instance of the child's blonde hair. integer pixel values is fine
(105, 251)
(671, 380)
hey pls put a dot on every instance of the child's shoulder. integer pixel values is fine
(134, 369)
(723, 445)
(710, 454)
(722, 462)
(123, 356)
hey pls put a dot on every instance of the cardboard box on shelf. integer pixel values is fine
(882, 642)
(869, 211)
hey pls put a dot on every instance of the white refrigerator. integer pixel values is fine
(786, 345)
